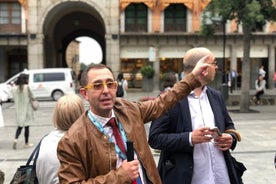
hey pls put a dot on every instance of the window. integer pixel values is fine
(258, 27)
(175, 18)
(15, 14)
(47, 77)
(10, 13)
(4, 13)
(136, 16)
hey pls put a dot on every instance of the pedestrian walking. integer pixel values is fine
(22, 97)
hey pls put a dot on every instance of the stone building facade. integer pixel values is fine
(131, 33)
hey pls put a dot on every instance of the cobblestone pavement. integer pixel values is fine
(256, 150)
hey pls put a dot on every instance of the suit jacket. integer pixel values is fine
(170, 134)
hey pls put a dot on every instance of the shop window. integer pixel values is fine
(175, 18)
(136, 16)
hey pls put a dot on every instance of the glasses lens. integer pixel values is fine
(98, 86)
(111, 85)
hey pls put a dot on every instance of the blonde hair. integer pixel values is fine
(67, 110)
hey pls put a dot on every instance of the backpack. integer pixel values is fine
(120, 89)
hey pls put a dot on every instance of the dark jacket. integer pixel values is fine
(170, 134)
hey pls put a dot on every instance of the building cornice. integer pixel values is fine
(192, 38)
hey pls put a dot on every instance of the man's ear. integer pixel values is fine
(83, 92)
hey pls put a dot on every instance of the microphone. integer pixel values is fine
(130, 151)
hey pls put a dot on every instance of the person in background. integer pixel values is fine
(262, 71)
(274, 79)
(1, 115)
(22, 96)
(190, 151)
(67, 110)
(232, 79)
(260, 88)
(182, 75)
(123, 82)
(169, 79)
(94, 149)
(79, 75)
(176, 76)
(1, 112)
(2, 177)
(4, 96)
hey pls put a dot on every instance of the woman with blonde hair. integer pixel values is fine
(67, 110)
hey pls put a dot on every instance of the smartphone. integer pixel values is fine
(217, 132)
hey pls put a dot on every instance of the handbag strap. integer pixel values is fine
(35, 153)
(30, 94)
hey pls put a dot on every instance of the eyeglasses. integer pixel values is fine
(214, 63)
(101, 85)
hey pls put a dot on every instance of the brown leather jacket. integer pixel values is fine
(87, 156)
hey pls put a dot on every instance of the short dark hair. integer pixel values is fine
(120, 76)
(22, 79)
(84, 75)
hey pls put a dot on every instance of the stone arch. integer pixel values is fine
(65, 21)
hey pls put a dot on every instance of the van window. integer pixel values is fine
(46, 77)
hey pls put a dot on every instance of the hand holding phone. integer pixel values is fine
(216, 132)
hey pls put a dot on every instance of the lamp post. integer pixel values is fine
(224, 86)
(224, 75)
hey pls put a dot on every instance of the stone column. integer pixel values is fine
(35, 51)
(233, 57)
(271, 66)
(112, 53)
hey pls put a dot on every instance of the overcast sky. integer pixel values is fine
(90, 51)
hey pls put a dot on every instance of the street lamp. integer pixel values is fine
(224, 75)
(224, 86)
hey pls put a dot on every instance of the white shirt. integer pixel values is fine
(125, 87)
(209, 162)
(262, 72)
(47, 164)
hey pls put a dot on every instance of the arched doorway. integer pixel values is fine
(66, 22)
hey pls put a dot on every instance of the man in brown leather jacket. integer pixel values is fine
(88, 152)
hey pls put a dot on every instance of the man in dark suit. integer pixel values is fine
(191, 152)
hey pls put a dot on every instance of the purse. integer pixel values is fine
(26, 174)
(34, 102)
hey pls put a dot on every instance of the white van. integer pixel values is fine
(46, 83)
